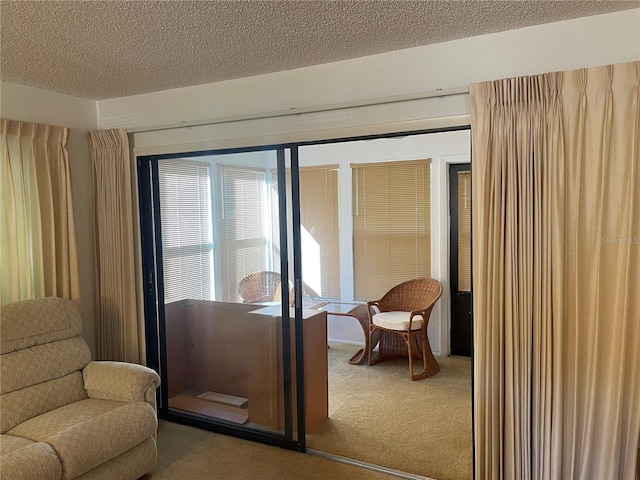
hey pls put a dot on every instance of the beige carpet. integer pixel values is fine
(186, 453)
(377, 415)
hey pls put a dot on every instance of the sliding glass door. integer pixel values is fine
(224, 294)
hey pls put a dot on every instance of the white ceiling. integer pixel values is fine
(106, 49)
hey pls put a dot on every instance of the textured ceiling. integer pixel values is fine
(106, 49)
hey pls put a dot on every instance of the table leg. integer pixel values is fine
(360, 313)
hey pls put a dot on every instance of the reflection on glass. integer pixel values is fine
(221, 265)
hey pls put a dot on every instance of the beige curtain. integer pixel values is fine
(556, 265)
(119, 311)
(37, 230)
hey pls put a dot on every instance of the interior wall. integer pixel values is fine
(29, 104)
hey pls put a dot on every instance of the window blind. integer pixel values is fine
(187, 236)
(391, 225)
(464, 231)
(243, 220)
(320, 247)
(320, 230)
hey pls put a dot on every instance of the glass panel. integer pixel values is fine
(230, 327)
(187, 234)
(225, 362)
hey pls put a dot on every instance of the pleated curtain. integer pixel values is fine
(37, 230)
(556, 266)
(119, 307)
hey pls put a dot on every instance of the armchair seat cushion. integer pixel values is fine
(28, 460)
(90, 432)
(396, 320)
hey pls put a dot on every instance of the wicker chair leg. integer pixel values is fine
(407, 339)
(370, 356)
(430, 364)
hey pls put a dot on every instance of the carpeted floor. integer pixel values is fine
(377, 415)
(187, 453)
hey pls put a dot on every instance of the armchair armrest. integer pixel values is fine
(126, 382)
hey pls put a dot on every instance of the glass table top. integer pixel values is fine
(339, 307)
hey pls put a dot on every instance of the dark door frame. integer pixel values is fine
(460, 302)
(155, 337)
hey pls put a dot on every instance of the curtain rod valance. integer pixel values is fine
(442, 92)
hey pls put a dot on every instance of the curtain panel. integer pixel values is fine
(119, 301)
(37, 229)
(556, 265)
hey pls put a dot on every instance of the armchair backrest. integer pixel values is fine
(416, 294)
(42, 356)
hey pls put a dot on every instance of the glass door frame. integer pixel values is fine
(294, 434)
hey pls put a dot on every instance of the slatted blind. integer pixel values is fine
(391, 225)
(320, 228)
(321, 236)
(464, 231)
(187, 236)
(243, 220)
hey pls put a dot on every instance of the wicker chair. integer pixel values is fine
(258, 287)
(403, 312)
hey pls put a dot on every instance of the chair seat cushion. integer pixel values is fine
(397, 320)
(90, 432)
(27, 460)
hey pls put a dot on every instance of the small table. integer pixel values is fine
(359, 312)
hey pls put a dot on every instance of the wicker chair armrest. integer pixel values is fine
(424, 313)
(370, 305)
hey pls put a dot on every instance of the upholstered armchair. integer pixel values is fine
(62, 415)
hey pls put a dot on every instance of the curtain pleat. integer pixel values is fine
(119, 314)
(556, 262)
(37, 228)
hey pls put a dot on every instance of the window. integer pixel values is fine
(187, 233)
(320, 235)
(320, 232)
(243, 219)
(391, 225)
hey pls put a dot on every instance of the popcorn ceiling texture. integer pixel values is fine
(114, 48)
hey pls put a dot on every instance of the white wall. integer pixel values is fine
(19, 102)
(29, 104)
